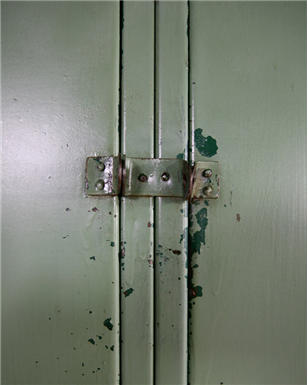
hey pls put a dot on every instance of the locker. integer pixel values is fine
(153, 290)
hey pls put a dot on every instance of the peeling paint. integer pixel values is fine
(199, 236)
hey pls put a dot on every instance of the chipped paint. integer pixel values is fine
(108, 324)
(196, 291)
(199, 236)
(128, 292)
(206, 146)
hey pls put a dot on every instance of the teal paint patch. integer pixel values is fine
(91, 340)
(112, 348)
(199, 236)
(206, 146)
(128, 292)
(180, 156)
(93, 258)
(108, 324)
(197, 291)
(112, 244)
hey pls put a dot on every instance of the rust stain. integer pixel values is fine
(149, 224)
(177, 252)
(238, 217)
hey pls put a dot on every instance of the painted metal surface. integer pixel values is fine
(171, 215)
(137, 215)
(60, 271)
(248, 97)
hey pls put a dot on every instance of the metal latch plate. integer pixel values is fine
(156, 177)
(103, 175)
(206, 180)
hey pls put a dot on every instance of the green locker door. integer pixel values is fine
(60, 273)
(103, 290)
(248, 92)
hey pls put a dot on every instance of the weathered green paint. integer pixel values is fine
(108, 324)
(198, 237)
(206, 146)
(248, 91)
(171, 214)
(137, 238)
(59, 105)
(128, 292)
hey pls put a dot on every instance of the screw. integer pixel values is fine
(142, 177)
(208, 190)
(165, 176)
(207, 173)
(101, 167)
(100, 185)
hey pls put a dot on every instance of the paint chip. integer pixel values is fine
(108, 324)
(128, 292)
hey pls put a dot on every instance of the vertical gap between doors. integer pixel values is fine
(189, 204)
(121, 15)
(154, 199)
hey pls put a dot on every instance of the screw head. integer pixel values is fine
(208, 190)
(142, 177)
(101, 166)
(100, 185)
(207, 173)
(165, 176)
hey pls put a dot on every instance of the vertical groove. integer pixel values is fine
(189, 204)
(155, 199)
(120, 152)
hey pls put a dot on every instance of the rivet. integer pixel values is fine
(100, 185)
(142, 177)
(207, 173)
(101, 167)
(208, 190)
(165, 176)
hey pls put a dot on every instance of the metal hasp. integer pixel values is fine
(205, 180)
(103, 175)
(152, 177)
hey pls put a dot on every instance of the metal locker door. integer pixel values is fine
(60, 270)
(248, 92)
